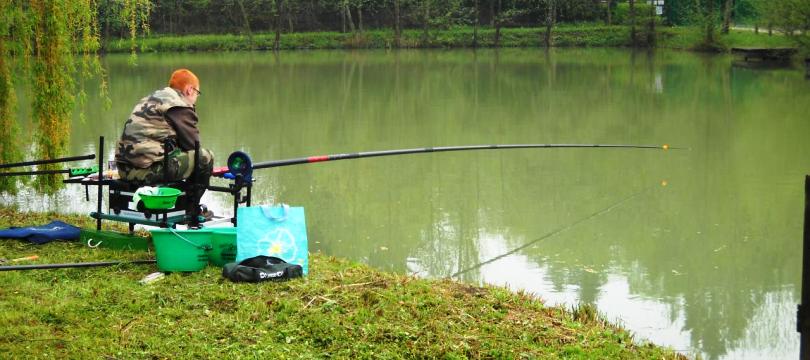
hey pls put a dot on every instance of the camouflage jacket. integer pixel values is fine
(146, 129)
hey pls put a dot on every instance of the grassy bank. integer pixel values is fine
(584, 35)
(342, 309)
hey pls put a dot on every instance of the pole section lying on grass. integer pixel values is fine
(314, 159)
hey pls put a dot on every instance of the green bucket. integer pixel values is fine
(224, 242)
(164, 199)
(181, 250)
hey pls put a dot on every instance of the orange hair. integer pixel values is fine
(182, 78)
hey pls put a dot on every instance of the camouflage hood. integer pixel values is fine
(146, 129)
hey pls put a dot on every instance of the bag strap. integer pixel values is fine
(268, 213)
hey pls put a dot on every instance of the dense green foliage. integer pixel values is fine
(246, 16)
(789, 16)
(433, 19)
(341, 309)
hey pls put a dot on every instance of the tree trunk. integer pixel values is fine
(310, 18)
(178, 12)
(425, 21)
(277, 25)
(498, 24)
(770, 29)
(492, 13)
(246, 22)
(288, 12)
(397, 29)
(360, 18)
(550, 23)
(756, 28)
(633, 22)
(609, 13)
(727, 15)
(710, 22)
(475, 26)
(348, 13)
(651, 30)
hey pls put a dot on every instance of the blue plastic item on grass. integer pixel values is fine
(55, 230)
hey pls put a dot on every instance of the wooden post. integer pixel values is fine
(802, 318)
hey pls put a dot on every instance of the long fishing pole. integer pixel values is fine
(322, 158)
(71, 172)
(48, 161)
(74, 265)
(553, 233)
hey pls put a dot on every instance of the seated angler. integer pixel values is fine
(167, 116)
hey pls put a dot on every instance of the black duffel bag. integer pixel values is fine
(261, 268)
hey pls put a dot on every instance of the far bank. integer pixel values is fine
(584, 35)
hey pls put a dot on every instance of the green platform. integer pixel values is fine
(114, 240)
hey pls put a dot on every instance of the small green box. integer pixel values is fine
(113, 240)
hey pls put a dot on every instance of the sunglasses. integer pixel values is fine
(198, 91)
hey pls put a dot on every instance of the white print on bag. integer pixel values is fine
(278, 242)
(263, 275)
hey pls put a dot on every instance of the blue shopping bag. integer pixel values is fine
(279, 231)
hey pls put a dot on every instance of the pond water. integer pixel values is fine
(696, 249)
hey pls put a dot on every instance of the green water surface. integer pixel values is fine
(696, 249)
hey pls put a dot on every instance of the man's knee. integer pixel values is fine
(206, 158)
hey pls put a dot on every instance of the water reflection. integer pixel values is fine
(702, 256)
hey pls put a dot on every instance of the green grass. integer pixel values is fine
(564, 35)
(689, 38)
(342, 309)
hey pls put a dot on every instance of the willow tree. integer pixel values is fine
(45, 46)
(9, 130)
